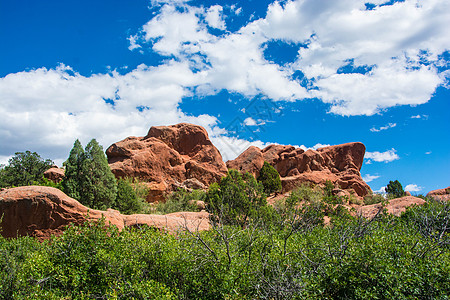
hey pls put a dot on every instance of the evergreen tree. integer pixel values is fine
(88, 176)
(24, 168)
(73, 175)
(269, 178)
(395, 189)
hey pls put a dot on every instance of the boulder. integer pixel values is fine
(54, 174)
(45, 211)
(340, 164)
(166, 157)
(395, 206)
(440, 194)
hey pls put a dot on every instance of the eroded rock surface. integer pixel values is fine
(54, 174)
(44, 211)
(440, 194)
(168, 157)
(394, 207)
(340, 164)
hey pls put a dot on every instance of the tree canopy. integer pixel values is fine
(24, 168)
(88, 176)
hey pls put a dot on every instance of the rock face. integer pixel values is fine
(340, 164)
(55, 174)
(395, 206)
(166, 157)
(441, 194)
(45, 211)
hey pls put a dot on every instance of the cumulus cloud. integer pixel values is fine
(369, 178)
(44, 110)
(390, 125)
(214, 17)
(387, 156)
(413, 188)
(390, 42)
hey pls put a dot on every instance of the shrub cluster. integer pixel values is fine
(352, 258)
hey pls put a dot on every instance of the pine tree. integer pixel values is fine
(99, 188)
(395, 189)
(73, 176)
(88, 176)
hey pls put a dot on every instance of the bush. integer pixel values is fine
(373, 199)
(269, 178)
(237, 199)
(127, 201)
(180, 200)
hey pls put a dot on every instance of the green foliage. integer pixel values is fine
(353, 258)
(127, 202)
(88, 177)
(373, 199)
(269, 178)
(394, 189)
(24, 168)
(181, 200)
(237, 199)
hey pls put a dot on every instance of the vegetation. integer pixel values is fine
(88, 177)
(181, 200)
(24, 168)
(237, 199)
(269, 178)
(352, 258)
(394, 189)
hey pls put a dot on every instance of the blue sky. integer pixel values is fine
(305, 72)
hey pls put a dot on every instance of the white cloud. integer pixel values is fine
(369, 178)
(390, 40)
(214, 17)
(413, 188)
(133, 43)
(382, 190)
(428, 152)
(390, 125)
(387, 156)
(420, 117)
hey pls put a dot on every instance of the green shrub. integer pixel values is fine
(373, 199)
(237, 199)
(127, 201)
(269, 178)
(180, 200)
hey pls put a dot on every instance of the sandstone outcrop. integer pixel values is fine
(440, 194)
(340, 164)
(394, 207)
(168, 157)
(55, 174)
(44, 211)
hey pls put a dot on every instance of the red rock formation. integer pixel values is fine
(440, 194)
(54, 174)
(395, 206)
(166, 157)
(45, 211)
(340, 164)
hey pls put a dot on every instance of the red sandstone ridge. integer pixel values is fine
(441, 194)
(340, 164)
(166, 157)
(44, 211)
(394, 206)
